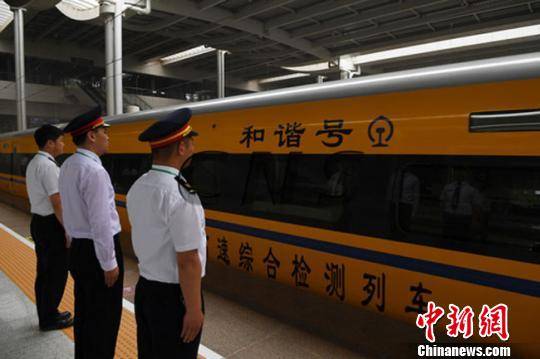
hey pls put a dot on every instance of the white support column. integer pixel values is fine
(221, 73)
(19, 68)
(109, 63)
(118, 88)
(320, 79)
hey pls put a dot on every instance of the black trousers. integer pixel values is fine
(98, 308)
(159, 311)
(52, 268)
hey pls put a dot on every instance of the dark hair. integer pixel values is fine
(165, 152)
(46, 133)
(80, 139)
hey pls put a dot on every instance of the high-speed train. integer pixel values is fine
(385, 192)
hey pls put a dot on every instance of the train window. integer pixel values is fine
(207, 173)
(496, 208)
(219, 179)
(125, 169)
(314, 190)
(264, 182)
(5, 163)
(20, 162)
(345, 192)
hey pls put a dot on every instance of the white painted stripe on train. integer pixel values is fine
(204, 351)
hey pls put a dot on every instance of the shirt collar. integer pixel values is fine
(47, 154)
(87, 153)
(171, 170)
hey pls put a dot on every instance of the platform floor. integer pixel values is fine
(231, 330)
(19, 334)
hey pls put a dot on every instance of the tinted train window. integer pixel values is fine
(342, 191)
(219, 179)
(5, 163)
(212, 185)
(20, 162)
(493, 206)
(496, 210)
(125, 169)
(305, 189)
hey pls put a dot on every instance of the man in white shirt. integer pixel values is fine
(169, 239)
(409, 199)
(46, 228)
(91, 220)
(461, 205)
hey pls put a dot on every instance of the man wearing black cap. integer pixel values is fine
(91, 220)
(46, 228)
(169, 239)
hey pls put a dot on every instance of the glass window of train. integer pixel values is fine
(512, 207)
(5, 163)
(107, 162)
(126, 169)
(20, 162)
(316, 187)
(443, 201)
(486, 208)
(298, 188)
(264, 182)
(368, 195)
(205, 173)
(15, 167)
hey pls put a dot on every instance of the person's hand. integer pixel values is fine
(193, 321)
(111, 276)
(67, 240)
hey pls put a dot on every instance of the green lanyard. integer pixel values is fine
(164, 171)
(47, 157)
(85, 155)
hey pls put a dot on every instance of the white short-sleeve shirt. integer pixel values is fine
(165, 219)
(41, 182)
(467, 198)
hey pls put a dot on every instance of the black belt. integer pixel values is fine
(40, 216)
(154, 283)
(116, 237)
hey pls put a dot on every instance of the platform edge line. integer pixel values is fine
(18, 236)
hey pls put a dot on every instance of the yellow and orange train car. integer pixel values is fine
(384, 192)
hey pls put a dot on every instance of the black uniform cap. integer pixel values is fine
(87, 121)
(172, 128)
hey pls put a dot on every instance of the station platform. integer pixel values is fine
(231, 329)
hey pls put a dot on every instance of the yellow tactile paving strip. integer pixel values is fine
(18, 261)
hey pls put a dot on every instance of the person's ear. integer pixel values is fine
(181, 147)
(91, 136)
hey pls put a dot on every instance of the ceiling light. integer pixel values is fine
(431, 47)
(6, 16)
(473, 40)
(196, 51)
(283, 78)
(80, 10)
(320, 66)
